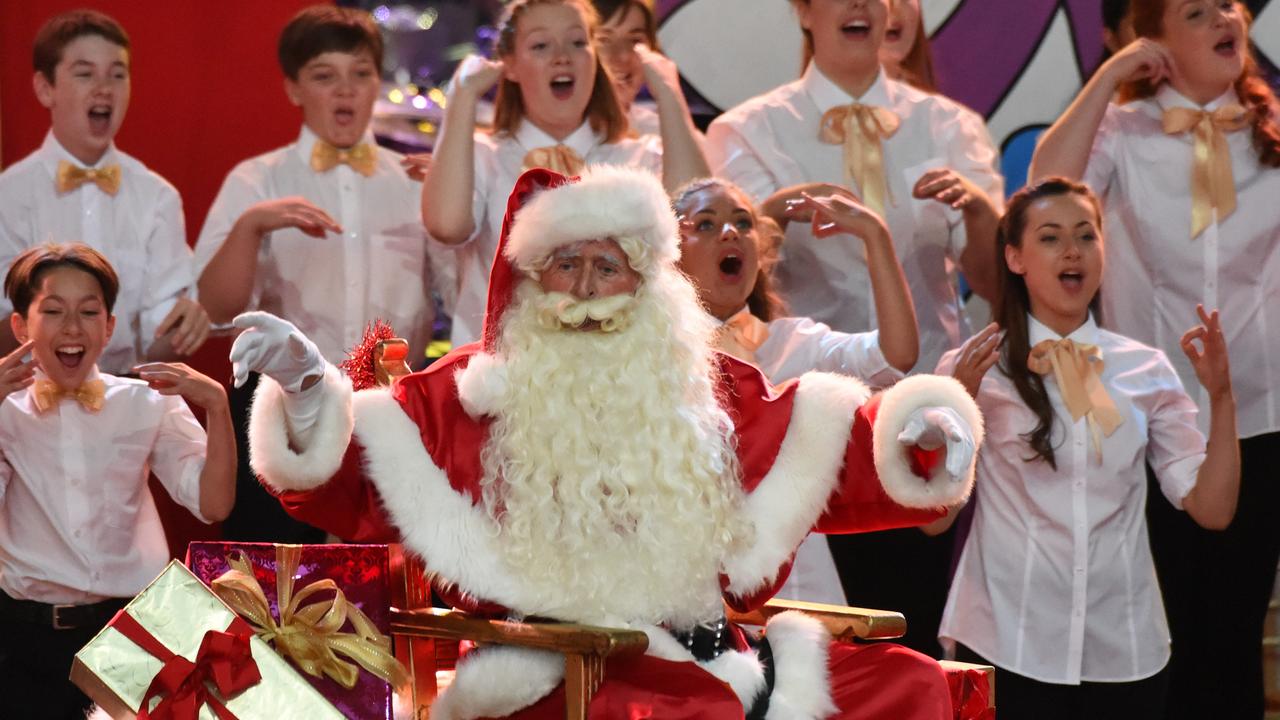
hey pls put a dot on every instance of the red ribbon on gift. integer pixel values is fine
(224, 658)
(971, 695)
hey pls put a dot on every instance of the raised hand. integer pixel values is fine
(945, 186)
(930, 428)
(476, 75)
(977, 355)
(276, 348)
(842, 213)
(660, 71)
(179, 379)
(1212, 366)
(788, 204)
(295, 212)
(1142, 59)
(189, 324)
(16, 374)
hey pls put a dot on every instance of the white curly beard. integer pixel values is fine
(610, 467)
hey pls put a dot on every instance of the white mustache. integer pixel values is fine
(557, 310)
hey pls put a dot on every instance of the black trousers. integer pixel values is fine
(1020, 698)
(903, 570)
(35, 661)
(1216, 587)
(257, 515)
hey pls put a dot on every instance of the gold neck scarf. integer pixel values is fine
(1212, 184)
(861, 129)
(1077, 368)
(560, 158)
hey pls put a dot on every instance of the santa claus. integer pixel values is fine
(594, 460)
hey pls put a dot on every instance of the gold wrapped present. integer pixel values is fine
(177, 649)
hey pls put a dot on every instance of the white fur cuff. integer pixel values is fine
(270, 452)
(892, 461)
(481, 385)
(498, 681)
(802, 680)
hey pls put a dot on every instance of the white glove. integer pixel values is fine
(930, 428)
(275, 348)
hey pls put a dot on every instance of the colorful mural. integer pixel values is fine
(1017, 62)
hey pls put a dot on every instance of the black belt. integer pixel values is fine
(707, 641)
(60, 617)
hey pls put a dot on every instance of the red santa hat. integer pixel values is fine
(547, 211)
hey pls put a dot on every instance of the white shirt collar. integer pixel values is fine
(52, 151)
(308, 139)
(826, 94)
(1038, 332)
(581, 141)
(1168, 98)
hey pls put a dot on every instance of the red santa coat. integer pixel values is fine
(817, 454)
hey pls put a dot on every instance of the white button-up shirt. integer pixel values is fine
(1157, 273)
(771, 142)
(333, 287)
(499, 162)
(796, 346)
(1056, 581)
(77, 520)
(139, 230)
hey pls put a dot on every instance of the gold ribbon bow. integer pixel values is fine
(1077, 368)
(741, 335)
(47, 393)
(309, 634)
(71, 176)
(560, 158)
(1212, 185)
(861, 129)
(325, 157)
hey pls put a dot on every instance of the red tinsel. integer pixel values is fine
(359, 364)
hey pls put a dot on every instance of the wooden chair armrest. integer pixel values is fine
(844, 623)
(565, 638)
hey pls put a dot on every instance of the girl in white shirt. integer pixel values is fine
(1188, 170)
(1056, 586)
(721, 252)
(555, 108)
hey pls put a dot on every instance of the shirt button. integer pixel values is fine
(76, 533)
(1079, 571)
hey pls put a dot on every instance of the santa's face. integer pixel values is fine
(590, 271)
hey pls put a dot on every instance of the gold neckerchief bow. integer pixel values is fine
(1077, 368)
(309, 635)
(861, 129)
(741, 335)
(46, 393)
(560, 158)
(1212, 185)
(325, 157)
(71, 176)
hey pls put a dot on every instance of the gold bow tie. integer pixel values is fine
(1077, 368)
(47, 393)
(560, 158)
(861, 129)
(71, 176)
(741, 335)
(1212, 184)
(325, 157)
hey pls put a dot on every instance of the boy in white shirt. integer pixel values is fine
(79, 187)
(324, 232)
(79, 531)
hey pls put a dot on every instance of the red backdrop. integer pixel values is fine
(206, 94)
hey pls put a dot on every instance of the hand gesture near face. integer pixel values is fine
(839, 213)
(660, 71)
(291, 212)
(1211, 364)
(14, 373)
(1142, 59)
(179, 379)
(977, 355)
(945, 186)
(476, 75)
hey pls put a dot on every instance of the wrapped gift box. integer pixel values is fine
(174, 614)
(973, 692)
(362, 574)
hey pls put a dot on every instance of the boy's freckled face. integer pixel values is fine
(69, 323)
(336, 91)
(89, 96)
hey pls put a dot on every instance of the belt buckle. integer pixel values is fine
(58, 624)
